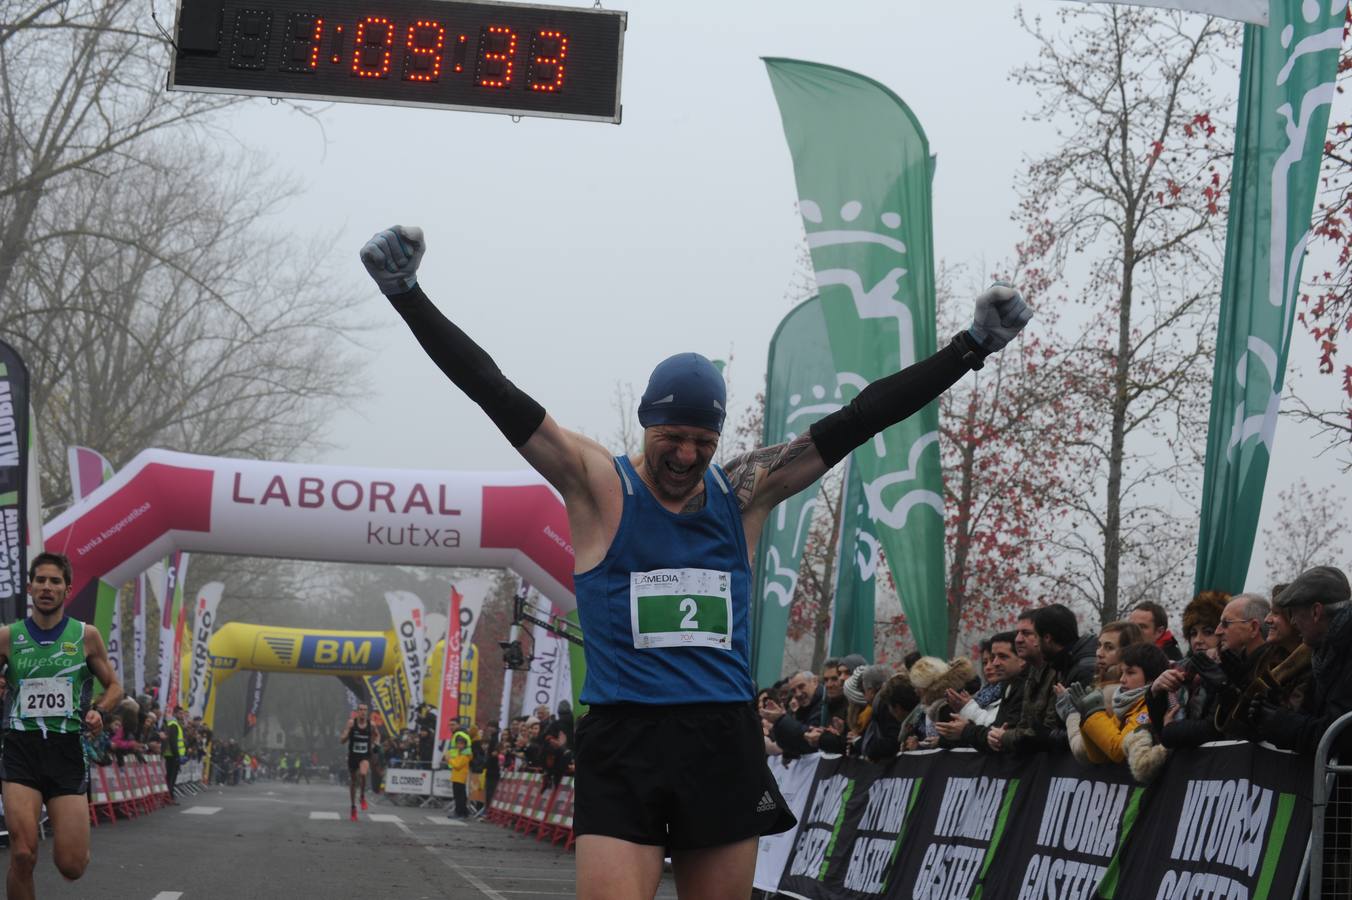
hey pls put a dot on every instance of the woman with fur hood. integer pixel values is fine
(1183, 700)
(932, 679)
(1112, 640)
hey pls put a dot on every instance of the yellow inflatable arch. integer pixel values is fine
(241, 647)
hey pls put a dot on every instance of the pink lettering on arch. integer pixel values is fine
(276, 490)
(382, 492)
(235, 495)
(417, 498)
(337, 496)
(311, 493)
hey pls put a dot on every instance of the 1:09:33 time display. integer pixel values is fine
(522, 59)
(498, 57)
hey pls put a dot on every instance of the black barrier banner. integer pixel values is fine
(828, 829)
(13, 483)
(1076, 819)
(1225, 822)
(969, 802)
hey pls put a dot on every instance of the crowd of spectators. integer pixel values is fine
(1274, 668)
(540, 742)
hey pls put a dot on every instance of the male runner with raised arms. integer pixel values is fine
(671, 754)
(360, 735)
(50, 657)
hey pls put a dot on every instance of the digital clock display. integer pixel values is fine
(518, 59)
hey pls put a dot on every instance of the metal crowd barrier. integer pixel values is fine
(528, 805)
(127, 790)
(1329, 857)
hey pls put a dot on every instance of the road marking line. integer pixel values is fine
(442, 820)
(201, 810)
(385, 817)
(167, 895)
(324, 816)
(468, 876)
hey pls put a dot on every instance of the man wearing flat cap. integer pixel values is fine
(1319, 604)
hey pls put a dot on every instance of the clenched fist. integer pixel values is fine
(391, 258)
(1000, 315)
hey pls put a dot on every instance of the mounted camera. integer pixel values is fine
(513, 657)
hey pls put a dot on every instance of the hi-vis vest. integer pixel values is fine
(175, 748)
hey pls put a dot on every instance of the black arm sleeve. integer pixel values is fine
(889, 400)
(473, 371)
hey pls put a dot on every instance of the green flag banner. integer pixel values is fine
(856, 567)
(1287, 84)
(863, 170)
(800, 387)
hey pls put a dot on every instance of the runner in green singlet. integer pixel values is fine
(51, 658)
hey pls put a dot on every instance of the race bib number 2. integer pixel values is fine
(43, 697)
(681, 608)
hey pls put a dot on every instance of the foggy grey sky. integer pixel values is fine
(580, 254)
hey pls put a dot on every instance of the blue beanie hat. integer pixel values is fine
(685, 389)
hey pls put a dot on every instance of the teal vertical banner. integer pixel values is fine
(1287, 84)
(857, 562)
(863, 170)
(801, 386)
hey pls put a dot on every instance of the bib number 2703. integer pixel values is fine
(681, 608)
(42, 697)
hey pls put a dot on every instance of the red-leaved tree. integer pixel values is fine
(1004, 432)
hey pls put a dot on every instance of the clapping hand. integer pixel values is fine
(771, 711)
(952, 729)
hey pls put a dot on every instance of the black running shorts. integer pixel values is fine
(681, 777)
(53, 766)
(354, 761)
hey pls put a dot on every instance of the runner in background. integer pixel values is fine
(51, 659)
(360, 735)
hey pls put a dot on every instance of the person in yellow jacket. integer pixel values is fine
(175, 750)
(457, 757)
(1104, 732)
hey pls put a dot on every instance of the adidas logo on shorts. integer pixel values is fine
(766, 804)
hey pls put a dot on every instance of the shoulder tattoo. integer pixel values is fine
(746, 470)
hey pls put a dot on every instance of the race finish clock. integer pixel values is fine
(513, 58)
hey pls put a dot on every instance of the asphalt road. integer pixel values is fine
(295, 842)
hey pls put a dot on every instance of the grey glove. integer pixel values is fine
(1000, 315)
(1089, 702)
(1065, 705)
(391, 258)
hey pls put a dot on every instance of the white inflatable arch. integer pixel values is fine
(164, 501)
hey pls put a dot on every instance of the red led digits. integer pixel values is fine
(371, 49)
(497, 56)
(461, 49)
(303, 34)
(425, 43)
(547, 53)
(314, 46)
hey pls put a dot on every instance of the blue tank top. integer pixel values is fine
(665, 614)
